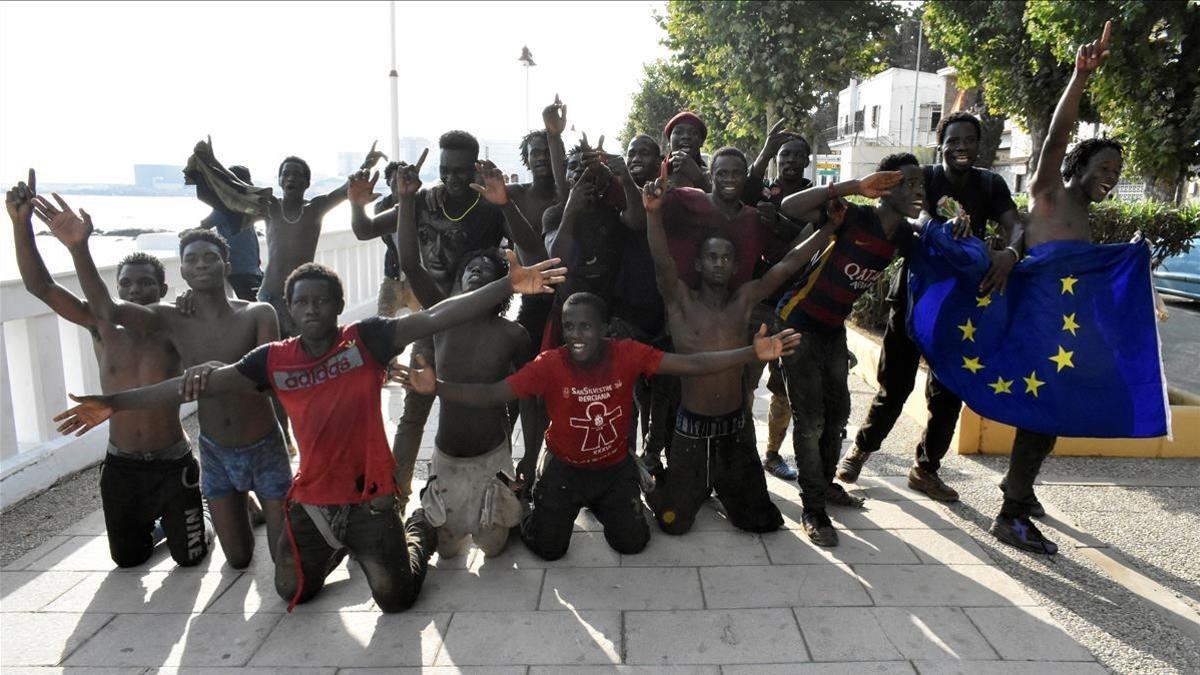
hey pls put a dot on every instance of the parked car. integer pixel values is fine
(1180, 275)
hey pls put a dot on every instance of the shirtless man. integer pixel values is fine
(463, 220)
(329, 378)
(241, 445)
(1059, 196)
(817, 306)
(147, 449)
(587, 387)
(293, 227)
(684, 135)
(711, 449)
(464, 498)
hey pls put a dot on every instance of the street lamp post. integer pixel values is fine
(395, 80)
(527, 61)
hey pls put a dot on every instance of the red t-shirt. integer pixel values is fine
(688, 217)
(333, 401)
(590, 409)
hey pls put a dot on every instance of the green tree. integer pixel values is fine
(989, 45)
(742, 65)
(1149, 90)
(655, 103)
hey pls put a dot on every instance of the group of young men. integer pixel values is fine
(680, 280)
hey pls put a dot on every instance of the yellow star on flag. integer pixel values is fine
(1069, 322)
(1063, 359)
(1068, 285)
(984, 301)
(1032, 384)
(1001, 386)
(972, 365)
(968, 331)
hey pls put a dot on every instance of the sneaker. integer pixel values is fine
(777, 466)
(1036, 510)
(931, 484)
(1020, 531)
(851, 465)
(819, 528)
(836, 494)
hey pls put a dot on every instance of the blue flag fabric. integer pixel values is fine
(1070, 349)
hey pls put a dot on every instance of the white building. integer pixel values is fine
(875, 119)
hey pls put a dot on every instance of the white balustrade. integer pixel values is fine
(42, 358)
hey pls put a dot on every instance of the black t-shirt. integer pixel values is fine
(481, 227)
(984, 196)
(595, 261)
(377, 334)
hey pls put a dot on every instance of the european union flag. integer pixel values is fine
(1070, 349)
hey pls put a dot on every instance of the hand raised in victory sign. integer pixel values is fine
(534, 279)
(493, 188)
(654, 190)
(19, 200)
(407, 179)
(555, 117)
(372, 157)
(1092, 55)
(771, 347)
(69, 228)
(362, 189)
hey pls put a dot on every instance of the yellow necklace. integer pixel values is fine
(464, 213)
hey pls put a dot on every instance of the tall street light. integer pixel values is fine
(527, 61)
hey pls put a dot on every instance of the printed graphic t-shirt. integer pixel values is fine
(590, 409)
(333, 401)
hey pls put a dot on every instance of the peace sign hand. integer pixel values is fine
(407, 179)
(1092, 55)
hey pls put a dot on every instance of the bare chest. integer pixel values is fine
(129, 359)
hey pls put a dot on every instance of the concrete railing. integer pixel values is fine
(42, 357)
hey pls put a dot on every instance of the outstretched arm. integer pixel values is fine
(666, 276)
(1048, 176)
(634, 215)
(765, 348)
(423, 380)
(450, 312)
(74, 232)
(805, 206)
(760, 289)
(36, 277)
(92, 410)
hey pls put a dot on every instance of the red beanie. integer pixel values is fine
(690, 118)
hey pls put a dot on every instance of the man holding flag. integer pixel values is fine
(1072, 345)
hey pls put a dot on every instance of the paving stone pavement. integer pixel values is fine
(907, 591)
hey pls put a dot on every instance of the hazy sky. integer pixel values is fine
(89, 89)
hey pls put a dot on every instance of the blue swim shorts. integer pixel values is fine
(261, 467)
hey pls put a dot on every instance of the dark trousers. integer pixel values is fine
(898, 363)
(1030, 449)
(245, 286)
(393, 557)
(407, 443)
(815, 375)
(613, 494)
(727, 463)
(135, 492)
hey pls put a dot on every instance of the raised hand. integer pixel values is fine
(654, 190)
(771, 347)
(776, 137)
(373, 156)
(582, 193)
(421, 379)
(91, 411)
(493, 188)
(837, 212)
(362, 189)
(555, 117)
(19, 200)
(879, 184)
(683, 163)
(195, 380)
(185, 302)
(1093, 54)
(69, 228)
(407, 179)
(535, 279)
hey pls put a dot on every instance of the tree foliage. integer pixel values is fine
(736, 62)
(1149, 90)
(654, 103)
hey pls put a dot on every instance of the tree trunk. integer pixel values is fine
(989, 140)
(1165, 190)
(1038, 128)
